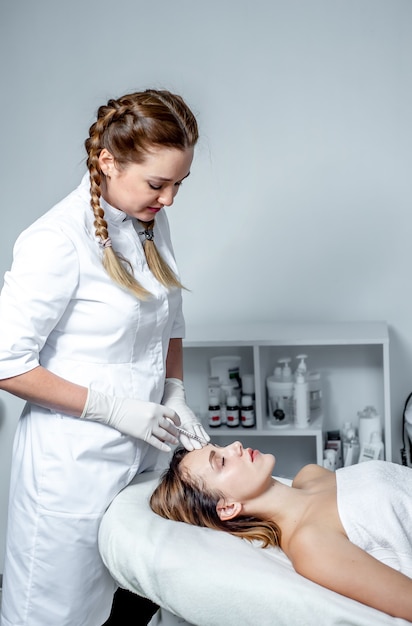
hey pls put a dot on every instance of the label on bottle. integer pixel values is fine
(232, 416)
(301, 405)
(247, 417)
(215, 418)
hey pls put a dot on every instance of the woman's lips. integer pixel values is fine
(253, 454)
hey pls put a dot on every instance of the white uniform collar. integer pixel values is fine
(111, 214)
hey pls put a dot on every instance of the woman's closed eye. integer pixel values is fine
(158, 187)
(216, 460)
(220, 460)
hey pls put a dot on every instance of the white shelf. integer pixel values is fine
(288, 334)
(289, 430)
(353, 358)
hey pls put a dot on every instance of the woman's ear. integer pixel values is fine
(228, 511)
(106, 162)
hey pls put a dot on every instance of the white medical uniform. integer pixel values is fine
(60, 309)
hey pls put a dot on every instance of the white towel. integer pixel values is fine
(375, 507)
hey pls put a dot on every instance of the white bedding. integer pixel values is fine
(209, 578)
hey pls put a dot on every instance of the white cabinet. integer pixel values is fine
(352, 358)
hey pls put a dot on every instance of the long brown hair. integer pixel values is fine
(128, 128)
(182, 498)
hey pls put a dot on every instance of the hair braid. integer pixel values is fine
(128, 128)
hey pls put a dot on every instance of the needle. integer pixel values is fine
(191, 435)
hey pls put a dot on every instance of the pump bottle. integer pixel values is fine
(301, 401)
(286, 369)
(302, 365)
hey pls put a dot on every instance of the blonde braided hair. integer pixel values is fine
(128, 128)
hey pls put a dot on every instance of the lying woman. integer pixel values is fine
(349, 530)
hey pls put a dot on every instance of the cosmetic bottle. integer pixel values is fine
(301, 402)
(372, 451)
(301, 368)
(247, 413)
(286, 370)
(232, 412)
(351, 447)
(215, 418)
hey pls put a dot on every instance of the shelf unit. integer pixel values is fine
(352, 358)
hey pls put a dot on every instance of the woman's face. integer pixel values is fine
(141, 190)
(241, 474)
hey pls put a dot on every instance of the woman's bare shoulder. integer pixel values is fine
(311, 472)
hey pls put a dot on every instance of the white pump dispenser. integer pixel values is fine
(280, 393)
(277, 372)
(286, 371)
(301, 365)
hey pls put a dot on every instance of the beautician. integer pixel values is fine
(91, 338)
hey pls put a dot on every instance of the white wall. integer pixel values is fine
(299, 203)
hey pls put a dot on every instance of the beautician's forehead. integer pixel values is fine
(168, 163)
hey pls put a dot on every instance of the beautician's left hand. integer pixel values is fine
(174, 398)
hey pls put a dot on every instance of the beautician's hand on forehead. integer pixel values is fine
(174, 397)
(151, 422)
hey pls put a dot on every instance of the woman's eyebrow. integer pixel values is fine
(167, 180)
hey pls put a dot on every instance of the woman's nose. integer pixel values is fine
(236, 447)
(166, 197)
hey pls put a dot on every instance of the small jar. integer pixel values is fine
(247, 414)
(215, 417)
(232, 412)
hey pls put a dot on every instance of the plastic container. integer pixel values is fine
(301, 365)
(247, 412)
(226, 368)
(231, 389)
(286, 369)
(280, 400)
(351, 446)
(301, 402)
(214, 388)
(372, 451)
(248, 385)
(369, 423)
(315, 391)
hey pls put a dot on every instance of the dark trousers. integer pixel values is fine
(129, 609)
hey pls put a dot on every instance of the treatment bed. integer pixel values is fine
(202, 577)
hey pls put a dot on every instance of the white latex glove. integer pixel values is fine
(174, 398)
(148, 421)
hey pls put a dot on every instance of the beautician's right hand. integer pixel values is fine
(151, 422)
